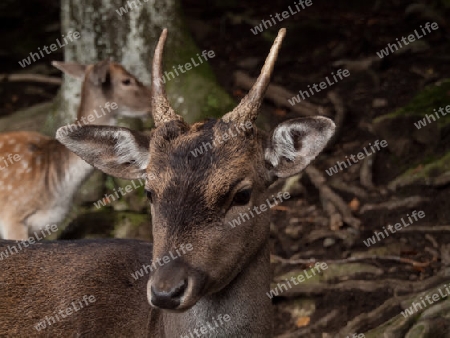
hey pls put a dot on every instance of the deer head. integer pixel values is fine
(108, 83)
(196, 196)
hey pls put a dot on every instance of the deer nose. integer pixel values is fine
(168, 285)
(168, 296)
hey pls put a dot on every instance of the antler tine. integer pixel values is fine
(247, 109)
(161, 110)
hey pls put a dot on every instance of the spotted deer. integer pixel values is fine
(38, 175)
(193, 200)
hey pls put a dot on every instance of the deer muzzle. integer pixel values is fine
(175, 286)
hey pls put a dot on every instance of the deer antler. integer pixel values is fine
(247, 109)
(161, 110)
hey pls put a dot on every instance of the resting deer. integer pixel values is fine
(226, 272)
(38, 175)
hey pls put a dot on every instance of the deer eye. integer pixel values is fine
(126, 82)
(148, 193)
(242, 197)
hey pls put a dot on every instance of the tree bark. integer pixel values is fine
(127, 32)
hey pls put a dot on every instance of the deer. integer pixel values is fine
(225, 274)
(39, 176)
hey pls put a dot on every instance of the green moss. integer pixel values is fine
(196, 97)
(311, 276)
(397, 327)
(109, 183)
(131, 225)
(424, 103)
(433, 168)
(419, 331)
(195, 94)
(307, 277)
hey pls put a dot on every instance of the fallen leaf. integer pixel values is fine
(280, 112)
(419, 268)
(238, 93)
(303, 321)
(354, 204)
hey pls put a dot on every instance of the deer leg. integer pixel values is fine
(14, 230)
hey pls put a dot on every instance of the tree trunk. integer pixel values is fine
(127, 32)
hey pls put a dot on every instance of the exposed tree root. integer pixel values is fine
(356, 259)
(39, 78)
(327, 194)
(279, 95)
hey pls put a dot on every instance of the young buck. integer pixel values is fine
(38, 175)
(225, 274)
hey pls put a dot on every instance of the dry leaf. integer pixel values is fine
(303, 321)
(238, 93)
(354, 204)
(280, 112)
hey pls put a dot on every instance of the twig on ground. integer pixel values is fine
(338, 184)
(339, 118)
(31, 78)
(434, 252)
(386, 310)
(335, 218)
(409, 202)
(365, 175)
(438, 181)
(355, 259)
(417, 228)
(395, 286)
(360, 65)
(432, 240)
(324, 233)
(370, 318)
(327, 194)
(280, 96)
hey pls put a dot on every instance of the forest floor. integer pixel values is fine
(328, 217)
(320, 38)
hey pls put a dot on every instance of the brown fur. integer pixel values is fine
(194, 198)
(22, 184)
(38, 189)
(45, 288)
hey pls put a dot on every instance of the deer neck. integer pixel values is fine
(95, 108)
(244, 300)
(73, 171)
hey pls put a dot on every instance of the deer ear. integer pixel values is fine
(74, 69)
(116, 151)
(293, 144)
(100, 73)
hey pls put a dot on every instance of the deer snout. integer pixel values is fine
(173, 286)
(167, 295)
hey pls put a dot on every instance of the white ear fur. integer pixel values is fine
(127, 150)
(295, 143)
(119, 152)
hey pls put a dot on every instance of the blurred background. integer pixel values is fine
(329, 217)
